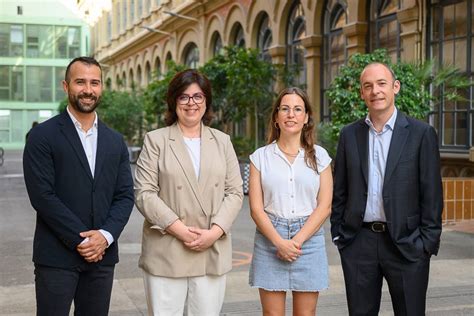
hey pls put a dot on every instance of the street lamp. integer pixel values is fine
(177, 15)
(149, 29)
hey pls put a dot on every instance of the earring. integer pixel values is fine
(276, 125)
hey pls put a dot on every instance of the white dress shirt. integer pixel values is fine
(89, 143)
(379, 144)
(289, 189)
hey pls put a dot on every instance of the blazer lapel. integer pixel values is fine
(101, 148)
(69, 130)
(182, 157)
(362, 136)
(399, 138)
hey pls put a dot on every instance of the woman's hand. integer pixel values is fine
(205, 237)
(288, 250)
(181, 231)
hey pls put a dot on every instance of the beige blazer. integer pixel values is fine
(166, 188)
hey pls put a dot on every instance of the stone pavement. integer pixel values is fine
(451, 287)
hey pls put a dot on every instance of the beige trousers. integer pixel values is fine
(167, 296)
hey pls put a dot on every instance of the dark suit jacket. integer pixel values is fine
(67, 199)
(412, 190)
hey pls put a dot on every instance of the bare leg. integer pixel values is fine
(304, 303)
(273, 302)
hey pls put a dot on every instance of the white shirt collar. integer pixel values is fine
(77, 123)
(390, 123)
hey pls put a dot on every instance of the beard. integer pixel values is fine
(78, 105)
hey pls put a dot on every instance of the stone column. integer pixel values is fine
(356, 34)
(410, 34)
(312, 45)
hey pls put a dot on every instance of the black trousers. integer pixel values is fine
(372, 257)
(89, 286)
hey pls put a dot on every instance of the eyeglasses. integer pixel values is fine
(297, 110)
(197, 98)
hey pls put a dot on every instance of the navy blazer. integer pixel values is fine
(67, 199)
(412, 189)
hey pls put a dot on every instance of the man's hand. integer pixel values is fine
(205, 237)
(93, 249)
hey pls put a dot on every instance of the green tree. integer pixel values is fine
(415, 97)
(154, 96)
(243, 84)
(122, 111)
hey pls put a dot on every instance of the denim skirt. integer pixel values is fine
(308, 273)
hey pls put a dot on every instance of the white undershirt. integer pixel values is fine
(194, 149)
(89, 143)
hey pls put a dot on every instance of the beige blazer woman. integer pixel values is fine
(166, 188)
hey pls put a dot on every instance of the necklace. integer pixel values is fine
(287, 153)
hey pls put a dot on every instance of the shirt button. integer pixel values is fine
(291, 196)
(291, 179)
(292, 211)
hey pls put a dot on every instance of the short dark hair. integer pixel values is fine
(180, 82)
(85, 60)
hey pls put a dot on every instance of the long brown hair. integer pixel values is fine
(307, 134)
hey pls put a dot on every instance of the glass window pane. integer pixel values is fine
(61, 41)
(461, 18)
(4, 82)
(38, 83)
(448, 20)
(461, 128)
(460, 54)
(16, 41)
(17, 83)
(73, 41)
(4, 126)
(59, 73)
(435, 24)
(448, 52)
(4, 39)
(448, 130)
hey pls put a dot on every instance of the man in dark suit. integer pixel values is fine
(78, 178)
(387, 202)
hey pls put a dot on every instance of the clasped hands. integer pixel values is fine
(288, 249)
(196, 239)
(93, 247)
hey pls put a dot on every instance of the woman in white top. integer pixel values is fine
(290, 198)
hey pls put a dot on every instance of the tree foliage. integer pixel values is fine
(122, 111)
(420, 87)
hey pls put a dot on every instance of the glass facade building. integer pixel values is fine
(35, 49)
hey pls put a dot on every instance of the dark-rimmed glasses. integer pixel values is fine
(197, 98)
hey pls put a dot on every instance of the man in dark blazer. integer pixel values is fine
(387, 202)
(78, 178)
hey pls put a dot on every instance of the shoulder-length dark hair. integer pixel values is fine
(180, 82)
(307, 134)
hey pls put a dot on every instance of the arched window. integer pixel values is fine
(335, 53)
(237, 35)
(451, 42)
(124, 81)
(264, 38)
(296, 30)
(216, 44)
(132, 83)
(191, 55)
(157, 68)
(168, 58)
(385, 28)
(118, 82)
(139, 76)
(148, 73)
